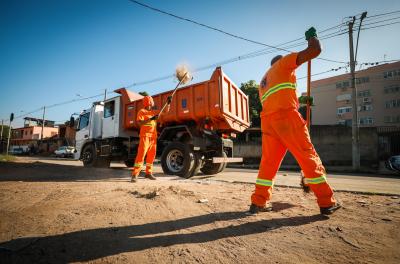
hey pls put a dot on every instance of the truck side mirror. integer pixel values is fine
(71, 121)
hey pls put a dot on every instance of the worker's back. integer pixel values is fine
(278, 86)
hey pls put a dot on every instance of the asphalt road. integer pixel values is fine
(368, 183)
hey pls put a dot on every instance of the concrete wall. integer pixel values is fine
(333, 144)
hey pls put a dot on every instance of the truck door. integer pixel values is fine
(110, 119)
(82, 133)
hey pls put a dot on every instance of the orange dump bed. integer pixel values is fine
(218, 100)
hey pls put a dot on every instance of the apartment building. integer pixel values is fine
(378, 98)
(32, 130)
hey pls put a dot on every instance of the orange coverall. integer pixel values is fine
(148, 139)
(284, 129)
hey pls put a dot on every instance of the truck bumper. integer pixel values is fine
(227, 160)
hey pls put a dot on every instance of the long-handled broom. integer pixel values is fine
(183, 75)
(303, 184)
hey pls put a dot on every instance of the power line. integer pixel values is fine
(378, 26)
(238, 58)
(331, 70)
(377, 22)
(218, 30)
(384, 14)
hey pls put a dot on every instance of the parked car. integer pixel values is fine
(16, 151)
(393, 163)
(64, 151)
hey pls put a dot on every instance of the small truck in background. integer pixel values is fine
(196, 134)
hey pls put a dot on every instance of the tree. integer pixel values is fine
(5, 131)
(143, 93)
(250, 88)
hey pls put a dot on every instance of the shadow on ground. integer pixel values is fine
(49, 172)
(93, 244)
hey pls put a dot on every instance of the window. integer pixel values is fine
(392, 119)
(343, 84)
(26, 132)
(109, 109)
(391, 89)
(343, 97)
(83, 121)
(392, 103)
(366, 108)
(346, 122)
(362, 80)
(391, 74)
(364, 93)
(366, 121)
(342, 110)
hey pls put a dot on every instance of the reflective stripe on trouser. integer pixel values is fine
(147, 147)
(277, 88)
(287, 130)
(149, 168)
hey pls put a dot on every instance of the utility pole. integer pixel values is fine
(354, 130)
(9, 132)
(44, 112)
(105, 94)
(1, 134)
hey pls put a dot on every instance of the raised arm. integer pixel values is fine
(313, 49)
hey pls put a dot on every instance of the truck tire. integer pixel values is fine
(88, 155)
(178, 159)
(90, 159)
(225, 163)
(198, 164)
(211, 168)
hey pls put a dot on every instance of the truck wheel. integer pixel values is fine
(225, 163)
(211, 168)
(178, 159)
(129, 163)
(88, 156)
(198, 164)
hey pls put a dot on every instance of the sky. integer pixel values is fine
(56, 51)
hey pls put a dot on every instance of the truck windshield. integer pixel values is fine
(83, 121)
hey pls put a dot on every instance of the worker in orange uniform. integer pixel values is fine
(146, 119)
(284, 129)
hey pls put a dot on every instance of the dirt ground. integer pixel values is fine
(54, 213)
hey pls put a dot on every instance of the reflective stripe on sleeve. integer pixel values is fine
(318, 180)
(263, 182)
(277, 88)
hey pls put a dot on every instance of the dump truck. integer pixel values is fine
(194, 135)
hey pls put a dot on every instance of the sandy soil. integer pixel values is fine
(53, 213)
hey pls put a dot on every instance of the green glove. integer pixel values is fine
(305, 99)
(312, 32)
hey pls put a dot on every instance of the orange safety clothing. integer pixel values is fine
(148, 142)
(284, 129)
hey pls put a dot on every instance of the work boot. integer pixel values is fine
(330, 210)
(150, 177)
(255, 209)
(134, 178)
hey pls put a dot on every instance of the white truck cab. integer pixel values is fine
(99, 132)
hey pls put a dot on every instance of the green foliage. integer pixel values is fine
(7, 158)
(143, 93)
(5, 131)
(250, 88)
